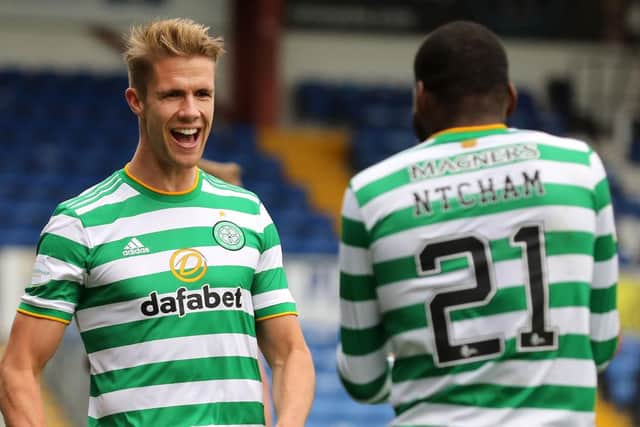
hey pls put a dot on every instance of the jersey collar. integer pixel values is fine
(161, 194)
(457, 134)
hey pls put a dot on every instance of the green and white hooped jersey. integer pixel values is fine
(166, 290)
(485, 260)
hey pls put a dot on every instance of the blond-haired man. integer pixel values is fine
(174, 277)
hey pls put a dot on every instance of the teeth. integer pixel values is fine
(186, 131)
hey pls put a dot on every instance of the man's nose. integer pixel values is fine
(188, 109)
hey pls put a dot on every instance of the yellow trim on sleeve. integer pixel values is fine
(42, 316)
(157, 190)
(469, 129)
(287, 313)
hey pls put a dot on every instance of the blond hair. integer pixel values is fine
(165, 38)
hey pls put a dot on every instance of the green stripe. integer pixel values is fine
(165, 282)
(402, 176)
(495, 396)
(603, 351)
(60, 290)
(604, 300)
(141, 204)
(188, 415)
(156, 328)
(218, 183)
(269, 280)
(423, 366)
(63, 249)
(556, 243)
(271, 237)
(383, 185)
(96, 188)
(46, 312)
(354, 233)
(202, 369)
(274, 310)
(108, 188)
(358, 342)
(365, 391)
(166, 240)
(566, 155)
(565, 294)
(357, 288)
(605, 248)
(602, 194)
(555, 195)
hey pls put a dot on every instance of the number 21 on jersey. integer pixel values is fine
(537, 335)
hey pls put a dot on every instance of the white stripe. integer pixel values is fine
(208, 188)
(468, 416)
(158, 262)
(605, 326)
(131, 310)
(350, 207)
(166, 350)
(123, 193)
(95, 189)
(410, 156)
(605, 223)
(60, 270)
(67, 227)
(270, 298)
(264, 219)
(270, 259)
(362, 369)
(177, 394)
(354, 260)
(59, 305)
(493, 227)
(566, 320)
(402, 197)
(360, 314)
(512, 373)
(167, 219)
(97, 194)
(560, 268)
(605, 273)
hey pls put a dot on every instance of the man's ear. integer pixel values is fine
(512, 99)
(133, 99)
(419, 99)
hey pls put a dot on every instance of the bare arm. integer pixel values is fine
(31, 344)
(283, 345)
(266, 396)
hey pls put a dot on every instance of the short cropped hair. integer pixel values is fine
(462, 59)
(165, 38)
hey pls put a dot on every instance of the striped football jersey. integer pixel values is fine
(478, 276)
(166, 290)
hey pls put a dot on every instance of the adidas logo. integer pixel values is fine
(134, 247)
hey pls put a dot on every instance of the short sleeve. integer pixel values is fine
(59, 269)
(270, 292)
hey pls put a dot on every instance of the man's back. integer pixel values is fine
(485, 258)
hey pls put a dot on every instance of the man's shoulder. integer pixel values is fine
(214, 185)
(82, 202)
(541, 137)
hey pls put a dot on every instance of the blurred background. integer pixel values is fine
(310, 92)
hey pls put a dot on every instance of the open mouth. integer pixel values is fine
(186, 137)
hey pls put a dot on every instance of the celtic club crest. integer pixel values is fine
(228, 235)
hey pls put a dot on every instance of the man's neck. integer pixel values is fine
(162, 177)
